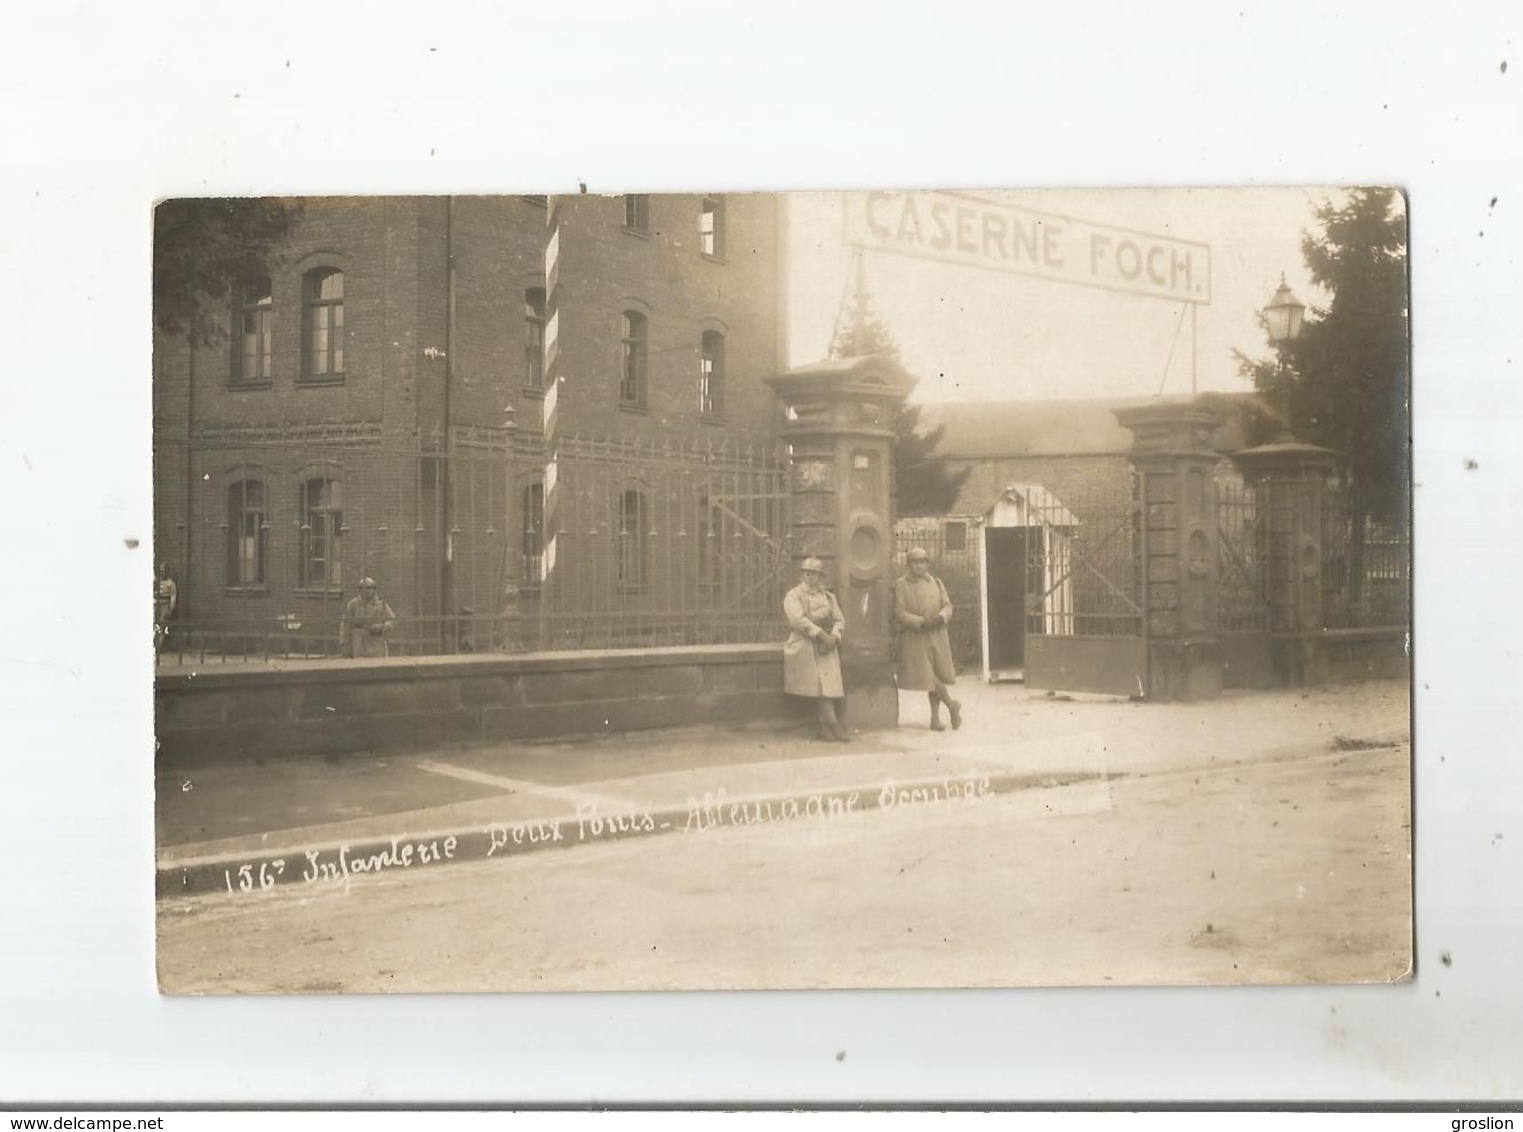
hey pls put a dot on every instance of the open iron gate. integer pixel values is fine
(1242, 603)
(1063, 590)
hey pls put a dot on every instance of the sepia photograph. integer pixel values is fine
(777, 557)
(758, 591)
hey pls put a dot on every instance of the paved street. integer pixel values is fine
(1294, 871)
(1010, 729)
(1263, 838)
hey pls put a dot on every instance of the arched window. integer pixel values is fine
(322, 330)
(635, 345)
(533, 534)
(247, 533)
(256, 319)
(534, 341)
(322, 522)
(711, 374)
(633, 559)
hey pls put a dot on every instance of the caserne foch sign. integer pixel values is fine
(975, 232)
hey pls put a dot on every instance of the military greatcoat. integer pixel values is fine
(923, 655)
(365, 625)
(811, 666)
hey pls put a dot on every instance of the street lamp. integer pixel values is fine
(1283, 317)
(1284, 314)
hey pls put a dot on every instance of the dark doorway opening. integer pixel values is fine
(1005, 550)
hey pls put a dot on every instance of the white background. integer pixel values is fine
(105, 107)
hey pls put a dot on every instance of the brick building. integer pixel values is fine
(375, 407)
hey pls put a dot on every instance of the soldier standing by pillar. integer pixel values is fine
(923, 661)
(811, 655)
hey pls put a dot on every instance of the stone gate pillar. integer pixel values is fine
(1171, 450)
(838, 425)
(1289, 481)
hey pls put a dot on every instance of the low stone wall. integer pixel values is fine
(1360, 654)
(419, 703)
(1334, 655)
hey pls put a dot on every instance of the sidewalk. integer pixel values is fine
(313, 820)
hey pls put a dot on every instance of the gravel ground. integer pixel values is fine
(1290, 870)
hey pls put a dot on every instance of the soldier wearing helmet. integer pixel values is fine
(923, 658)
(367, 621)
(811, 655)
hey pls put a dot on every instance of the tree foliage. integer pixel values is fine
(923, 485)
(1346, 377)
(205, 251)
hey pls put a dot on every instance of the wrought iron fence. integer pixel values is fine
(1242, 604)
(1366, 568)
(952, 543)
(257, 639)
(664, 544)
(1083, 574)
(267, 538)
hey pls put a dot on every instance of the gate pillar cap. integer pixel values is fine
(1171, 424)
(1287, 454)
(866, 377)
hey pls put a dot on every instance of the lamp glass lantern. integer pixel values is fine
(1284, 314)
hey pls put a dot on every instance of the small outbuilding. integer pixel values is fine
(1025, 575)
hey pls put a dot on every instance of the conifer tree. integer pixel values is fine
(1346, 381)
(923, 486)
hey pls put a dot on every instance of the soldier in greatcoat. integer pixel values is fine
(166, 600)
(812, 654)
(923, 658)
(367, 620)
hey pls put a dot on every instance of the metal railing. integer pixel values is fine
(664, 544)
(1083, 574)
(953, 544)
(259, 640)
(268, 537)
(1242, 604)
(1366, 569)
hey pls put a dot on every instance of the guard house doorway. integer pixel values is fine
(1005, 602)
(1024, 575)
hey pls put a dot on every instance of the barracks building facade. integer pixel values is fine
(375, 406)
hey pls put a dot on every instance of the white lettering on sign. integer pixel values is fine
(920, 794)
(246, 877)
(499, 837)
(591, 824)
(588, 825)
(715, 809)
(339, 865)
(968, 230)
(345, 863)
